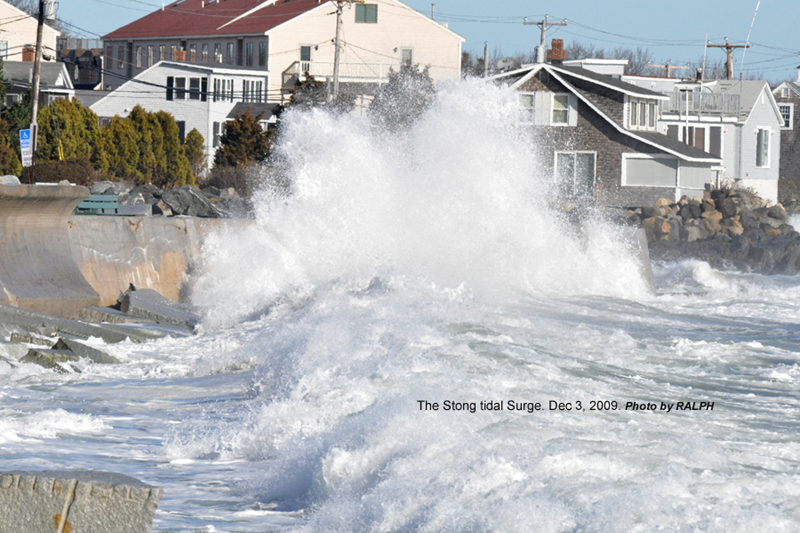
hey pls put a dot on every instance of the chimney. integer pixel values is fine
(28, 53)
(798, 74)
(556, 54)
(699, 75)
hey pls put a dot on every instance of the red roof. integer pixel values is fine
(190, 17)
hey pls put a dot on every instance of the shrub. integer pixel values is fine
(78, 171)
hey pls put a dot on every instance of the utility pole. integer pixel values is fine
(668, 66)
(729, 50)
(337, 53)
(37, 65)
(543, 24)
(485, 58)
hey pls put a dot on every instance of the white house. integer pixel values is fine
(198, 96)
(18, 36)
(54, 81)
(286, 38)
(738, 121)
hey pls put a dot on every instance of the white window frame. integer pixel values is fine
(527, 115)
(553, 110)
(769, 146)
(575, 152)
(640, 113)
(791, 116)
(627, 156)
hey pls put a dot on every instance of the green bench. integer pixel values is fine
(99, 204)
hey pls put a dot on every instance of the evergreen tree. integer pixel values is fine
(195, 152)
(178, 171)
(140, 120)
(405, 98)
(122, 150)
(9, 160)
(242, 142)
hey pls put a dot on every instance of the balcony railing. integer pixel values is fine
(362, 72)
(683, 102)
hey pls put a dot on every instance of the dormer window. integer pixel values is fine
(642, 115)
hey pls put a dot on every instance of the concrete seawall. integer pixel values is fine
(37, 271)
(54, 262)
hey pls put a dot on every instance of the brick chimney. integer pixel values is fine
(556, 54)
(28, 53)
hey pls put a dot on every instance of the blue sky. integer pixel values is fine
(673, 29)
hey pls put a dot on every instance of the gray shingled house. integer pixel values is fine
(598, 137)
(787, 96)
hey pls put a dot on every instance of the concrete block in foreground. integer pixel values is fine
(76, 502)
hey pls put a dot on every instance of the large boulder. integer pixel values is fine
(190, 201)
(110, 187)
(141, 194)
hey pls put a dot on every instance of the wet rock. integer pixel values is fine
(85, 351)
(49, 358)
(32, 339)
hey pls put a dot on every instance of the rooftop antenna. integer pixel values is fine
(747, 44)
(703, 75)
(433, 11)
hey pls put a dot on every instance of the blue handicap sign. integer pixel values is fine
(25, 139)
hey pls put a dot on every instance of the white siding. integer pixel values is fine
(19, 29)
(762, 116)
(196, 113)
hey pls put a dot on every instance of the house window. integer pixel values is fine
(762, 148)
(229, 56)
(138, 57)
(787, 110)
(784, 92)
(575, 173)
(120, 56)
(149, 56)
(367, 13)
(642, 115)
(245, 91)
(204, 90)
(170, 87)
(259, 91)
(76, 73)
(162, 51)
(181, 130)
(217, 53)
(408, 57)
(110, 55)
(305, 53)
(527, 112)
(192, 53)
(172, 55)
(560, 109)
(249, 55)
(645, 170)
(262, 54)
(216, 90)
(194, 88)
(180, 88)
(205, 53)
(216, 135)
(4, 50)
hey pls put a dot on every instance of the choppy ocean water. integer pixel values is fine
(426, 267)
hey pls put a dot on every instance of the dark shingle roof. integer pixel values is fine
(674, 145)
(608, 81)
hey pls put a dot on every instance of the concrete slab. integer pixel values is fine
(77, 502)
(147, 303)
